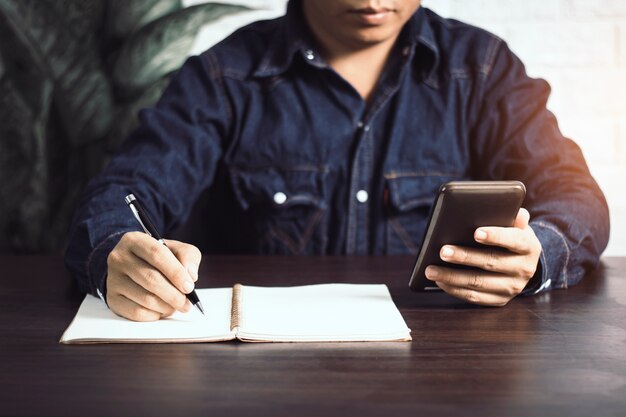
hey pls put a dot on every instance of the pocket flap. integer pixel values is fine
(279, 186)
(412, 190)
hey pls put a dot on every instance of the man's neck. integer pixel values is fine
(360, 65)
(362, 68)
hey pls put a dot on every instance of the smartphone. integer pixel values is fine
(460, 208)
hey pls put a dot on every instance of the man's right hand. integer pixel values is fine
(147, 281)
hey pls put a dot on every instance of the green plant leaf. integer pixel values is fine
(1, 63)
(123, 17)
(82, 93)
(163, 45)
(24, 191)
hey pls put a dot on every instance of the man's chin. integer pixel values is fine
(369, 37)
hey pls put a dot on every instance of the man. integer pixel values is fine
(329, 131)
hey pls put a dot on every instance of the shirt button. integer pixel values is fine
(405, 50)
(366, 128)
(309, 55)
(280, 198)
(361, 196)
(359, 125)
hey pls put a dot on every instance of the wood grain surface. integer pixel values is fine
(560, 353)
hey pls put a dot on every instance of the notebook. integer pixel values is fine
(310, 313)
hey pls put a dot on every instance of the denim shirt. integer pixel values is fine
(283, 156)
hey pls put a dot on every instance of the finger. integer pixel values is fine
(162, 258)
(522, 219)
(474, 296)
(134, 292)
(150, 278)
(188, 255)
(126, 308)
(520, 222)
(486, 259)
(511, 238)
(480, 281)
(124, 263)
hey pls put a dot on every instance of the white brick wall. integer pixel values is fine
(594, 8)
(562, 44)
(621, 42)
(578, 46)
(490, 10)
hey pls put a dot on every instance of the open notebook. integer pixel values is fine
(310, 313)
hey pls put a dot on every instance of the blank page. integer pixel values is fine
(95, 323)
(325, 312)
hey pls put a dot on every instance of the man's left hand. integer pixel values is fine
(501, 275)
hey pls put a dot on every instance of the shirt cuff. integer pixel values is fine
(553, 260)
(97, 264)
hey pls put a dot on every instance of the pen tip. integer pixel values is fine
(199, 305)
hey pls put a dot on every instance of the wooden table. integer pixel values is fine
(561, 354)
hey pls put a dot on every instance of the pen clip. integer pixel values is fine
(143, 219)
(138, 217)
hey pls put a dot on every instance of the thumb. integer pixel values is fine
(188, 255)
(522, 219)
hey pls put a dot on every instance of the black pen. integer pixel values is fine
(148, 227)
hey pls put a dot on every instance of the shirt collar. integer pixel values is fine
(293, 38)
(419, 37)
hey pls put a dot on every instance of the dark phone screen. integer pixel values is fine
(461, 207)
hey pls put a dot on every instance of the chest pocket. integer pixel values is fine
(410, 198)
(287, 205)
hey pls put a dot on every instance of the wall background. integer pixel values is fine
(578, 46)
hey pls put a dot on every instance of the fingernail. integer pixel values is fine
(187, 287)
(431, 272)
(481, 235)
(187, 306)
(447, 252)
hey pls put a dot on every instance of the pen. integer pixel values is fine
(148, 227)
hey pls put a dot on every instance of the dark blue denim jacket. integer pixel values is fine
(287, 158)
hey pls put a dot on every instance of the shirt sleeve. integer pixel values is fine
(166, 162)
(515, 137)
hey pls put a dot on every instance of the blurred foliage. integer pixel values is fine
(73, 74)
